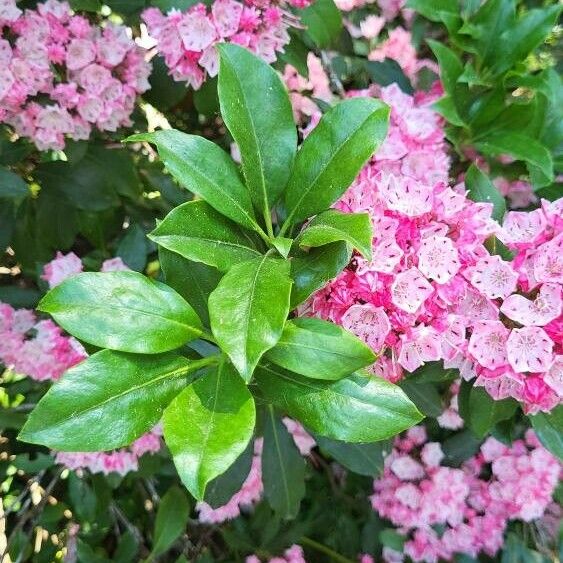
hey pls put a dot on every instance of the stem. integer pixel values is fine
(324, 549)
(268, 220)
(263, 235)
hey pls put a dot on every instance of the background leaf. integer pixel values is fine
(171, 520)
(283, 468)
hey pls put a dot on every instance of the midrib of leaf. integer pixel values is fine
(252, 127)
(280, 457)
(321, 173)
(210, 425)
(175, 373)
(226, 193)
(140, 311)
(249, 308)
(204, 239)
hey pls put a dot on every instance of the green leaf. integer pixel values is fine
(197, 232)
(523, 36)
(222, 488)
(256, 109)
(480, 188)
(12, 186)
(332, 225)
(392, 539)
(319, 349)
(283, 245)
(194, 281)
(171, 520)
(549, 429)
(122, 311)
(323, 22)
(388, 72)
(206, 170)
(451, 66)
(445, 107)
(354, 409)
(333, 154)
(363, 459)
(208, 425)
(107, 401)
(491, 19)
(312, 270)
(248, 310)
(485, 412)
(425, 396)
(133, 248)
(283, 468)
(460, 447)
(433, 9)
(521, 147)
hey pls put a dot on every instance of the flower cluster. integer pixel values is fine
(61, 76)
(432, 290)
(304, 91)
(186, 40)
(120, 461)
(36, 348)
(470, 505)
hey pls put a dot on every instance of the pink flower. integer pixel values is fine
(60, 268)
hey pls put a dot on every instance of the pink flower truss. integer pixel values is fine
(432, 291)
(186, 40)
(473, 504)
(122, 461)
(61, 76)
(36, 348)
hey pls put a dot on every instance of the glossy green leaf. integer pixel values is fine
(107, 401)
(480, 188)
(434, 9)
(194, 281)
(323, 22)
(122, 311)
(363, 459)
(208, 426)
(256, 109)
(171, 520)
(283, 468)
(283, 245)
(333, 154)
(319, 349)
(248, 310)
(205, 169)
(460, 447)
(355, 409)
(549, 429)
(219, 491)
(451, 66)
(199, 233)
(332, 225)
(314, 269)
(520, 147)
